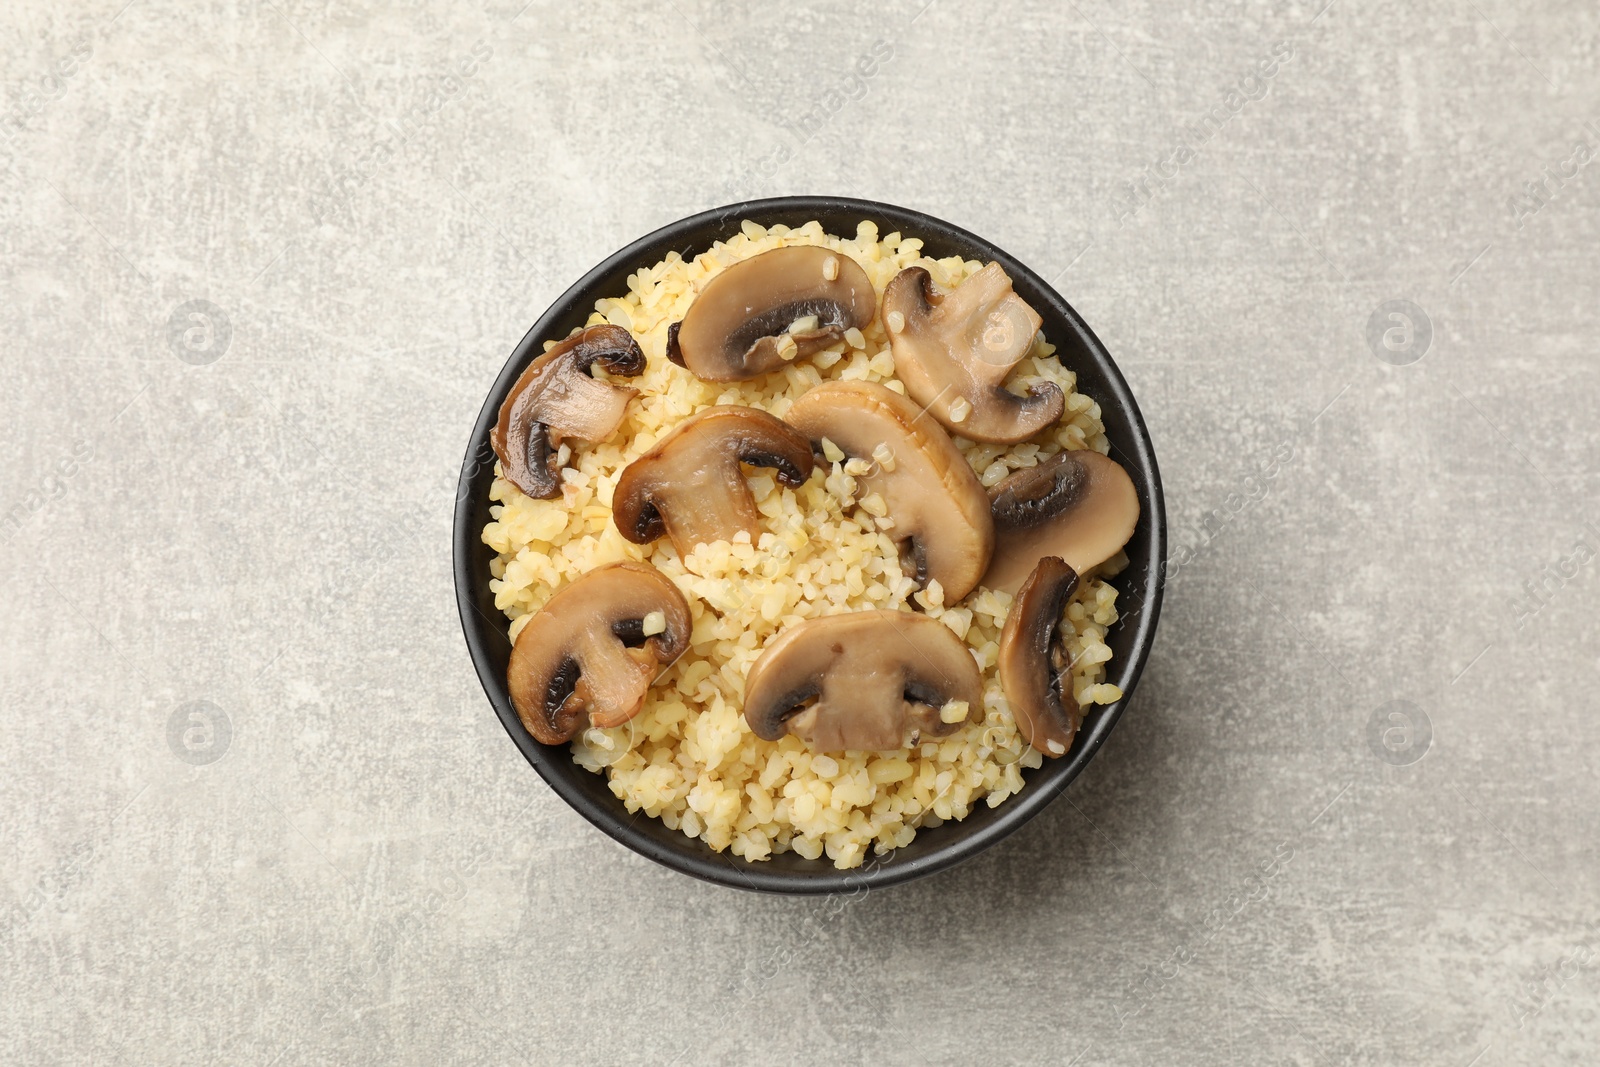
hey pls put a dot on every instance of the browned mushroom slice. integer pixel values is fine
(556, 398)
(585, 658)
(690, 485)
(865, 680)
(1081, 506)
(940, 512)
(741, 325)
(1033, 668)
(954, 350)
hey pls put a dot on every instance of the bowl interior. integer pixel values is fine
(934, 848)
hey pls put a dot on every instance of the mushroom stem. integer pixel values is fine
(703, 510)
(991, 320)
(863, 680)
(690, 486)
(954, 351)
(556, 397)
(570, 665)
(615, 695)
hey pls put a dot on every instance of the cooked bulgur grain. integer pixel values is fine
(689, 758)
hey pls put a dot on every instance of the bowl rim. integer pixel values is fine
(723, 868)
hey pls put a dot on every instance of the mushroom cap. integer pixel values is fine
(1079, 505)
(690, 487)
(584, 660)
(960, 346)
(941, 513)
(732, 330)
(864, 680)
(1033, 672)
(555, 397)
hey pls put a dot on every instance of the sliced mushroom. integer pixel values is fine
(954, 350)
(940, 512)
(739, 326)
(865, 680)
(556, 398)
(690, 486)
(584, 659)
(1034, 671)
(1081, 506)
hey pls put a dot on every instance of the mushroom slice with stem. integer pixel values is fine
(690, 485)
(869, 681)
(588, 657)
(769, 310)
(1081, 506)
(556, 398)
(1034, 671)
(940, 512)
(954, 351)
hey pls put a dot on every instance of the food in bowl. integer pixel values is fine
(887, 515)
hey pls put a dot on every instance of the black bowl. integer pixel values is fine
(934, 849)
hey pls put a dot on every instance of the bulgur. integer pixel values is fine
(689, 758)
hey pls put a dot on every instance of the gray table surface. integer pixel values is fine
(256, 807)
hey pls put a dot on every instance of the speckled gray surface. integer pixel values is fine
(256, 807)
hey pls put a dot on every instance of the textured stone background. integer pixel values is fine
(256, 807)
